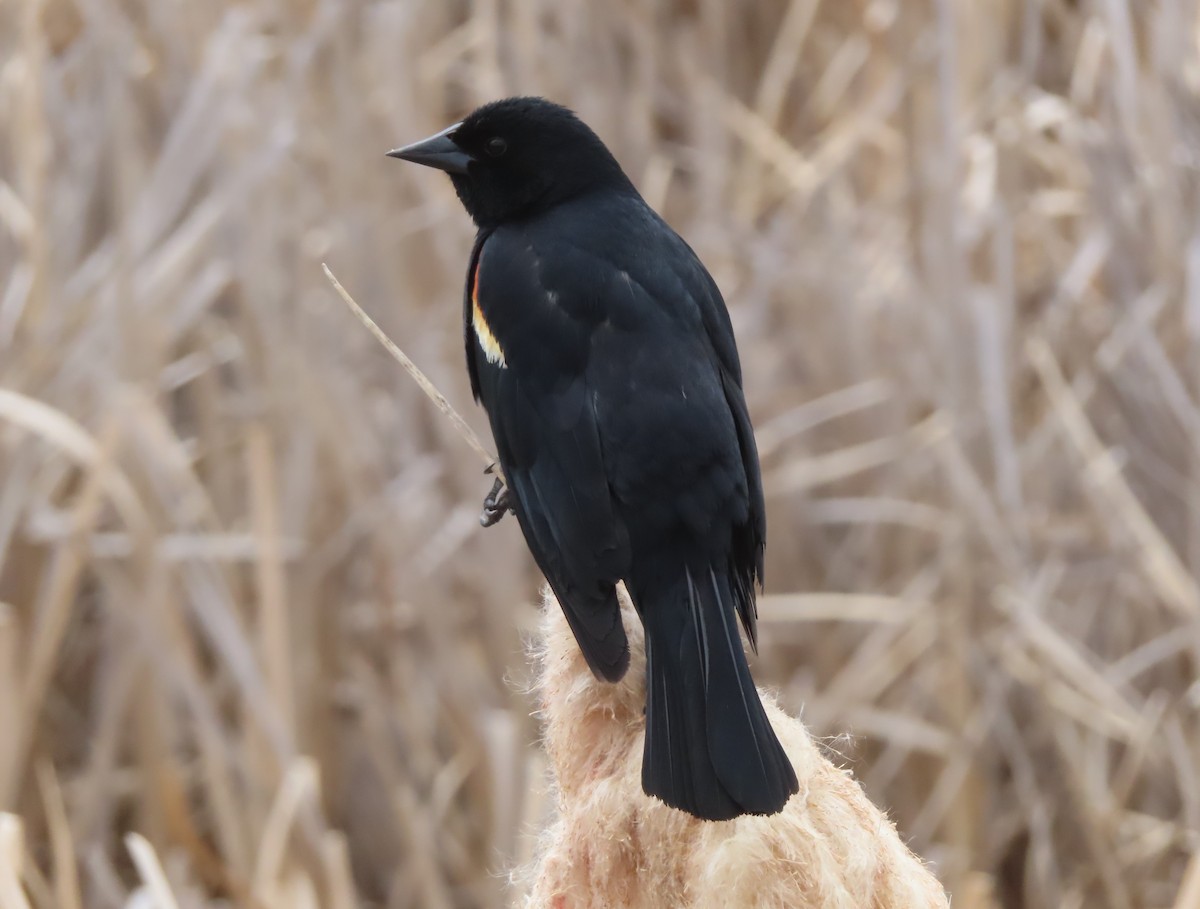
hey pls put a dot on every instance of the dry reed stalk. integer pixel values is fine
(10, 689)
(66, 877)
(299, 784)
(12, 858)
(269, 576)
(151, 871)
(1188, 896)
(32, 148)
(54, 613)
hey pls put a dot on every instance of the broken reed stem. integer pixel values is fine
(421, 379)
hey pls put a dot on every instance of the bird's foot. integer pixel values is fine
(495, 504)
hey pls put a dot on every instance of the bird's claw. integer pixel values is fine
(495, 504)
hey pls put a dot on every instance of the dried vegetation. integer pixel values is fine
(610, 844)
(253, 645)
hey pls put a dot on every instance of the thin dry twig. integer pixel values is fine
(493, 466)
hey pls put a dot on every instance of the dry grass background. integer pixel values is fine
(253, 645)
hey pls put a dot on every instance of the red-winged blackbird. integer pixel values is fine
(604, 356)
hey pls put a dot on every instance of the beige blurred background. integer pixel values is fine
(247, 612)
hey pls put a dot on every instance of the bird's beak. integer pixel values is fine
(437, 151)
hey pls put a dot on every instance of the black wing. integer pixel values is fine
(749, 538)
(529, 372)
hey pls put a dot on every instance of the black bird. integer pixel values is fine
(603, 354)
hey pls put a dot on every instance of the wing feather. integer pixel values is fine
(544, 423)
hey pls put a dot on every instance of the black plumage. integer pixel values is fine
(603, 354)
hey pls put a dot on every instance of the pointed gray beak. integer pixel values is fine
(437, 151)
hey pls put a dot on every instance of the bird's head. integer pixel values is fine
(517, 157)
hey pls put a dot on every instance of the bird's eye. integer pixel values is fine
(496, 147)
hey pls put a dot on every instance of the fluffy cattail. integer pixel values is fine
(613, 846)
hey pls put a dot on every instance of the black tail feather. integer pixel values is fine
(710, 749)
